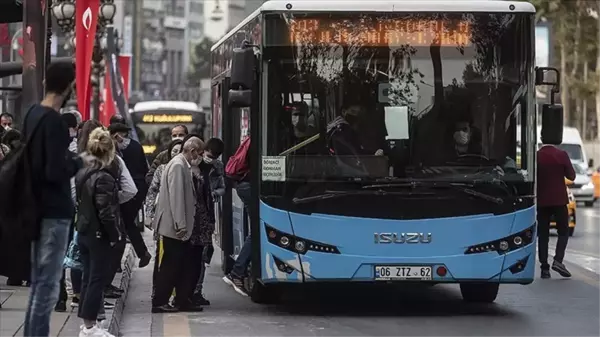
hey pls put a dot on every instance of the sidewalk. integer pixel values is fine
(14, 305)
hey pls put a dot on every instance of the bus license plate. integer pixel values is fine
(390, 273)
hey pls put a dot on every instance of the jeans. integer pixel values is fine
(47, 255)
(243, 190)
(544, 216)
(63, 296)
(95, 275)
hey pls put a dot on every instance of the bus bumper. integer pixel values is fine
(343, 249)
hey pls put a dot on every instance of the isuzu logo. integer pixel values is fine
(402, 237)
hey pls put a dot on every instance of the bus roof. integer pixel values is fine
(500, 6)
(166, 105)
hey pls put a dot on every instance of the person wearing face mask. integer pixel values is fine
(179, 132)
(133, 155)
(303, 129)
(466, 138)
(174, 222)
(343, 133)
(213, 185)
(152, 200)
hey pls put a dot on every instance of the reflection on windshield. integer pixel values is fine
(362, 96)
(573, 150)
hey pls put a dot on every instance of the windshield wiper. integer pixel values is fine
(336, 194)
(463, 187)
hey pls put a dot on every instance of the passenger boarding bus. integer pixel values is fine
(154, 120)
(384, 142)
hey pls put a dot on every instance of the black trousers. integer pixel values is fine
(194, 266)
(171, 273)
(560, 214)
(129, 212)
(114, 260)
(95, 275)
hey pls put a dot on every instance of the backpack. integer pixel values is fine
(19, 211)
(237, 166)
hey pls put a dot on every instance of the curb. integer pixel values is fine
(114, 319)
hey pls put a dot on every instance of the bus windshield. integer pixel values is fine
(399, 96)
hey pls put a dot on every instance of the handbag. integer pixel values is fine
(73, 258)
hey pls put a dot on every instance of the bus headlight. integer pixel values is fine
(505, 245)
(297, 244)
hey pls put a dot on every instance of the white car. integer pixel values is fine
(582, 187)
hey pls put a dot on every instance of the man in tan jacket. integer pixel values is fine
(174, 222)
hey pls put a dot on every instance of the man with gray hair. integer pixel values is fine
(174, 222)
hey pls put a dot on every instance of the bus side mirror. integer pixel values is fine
(552, 124)
(243, 64)
(544, 76)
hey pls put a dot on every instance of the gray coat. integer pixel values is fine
(176, 200)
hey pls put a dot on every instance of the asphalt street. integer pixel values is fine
(555, 307)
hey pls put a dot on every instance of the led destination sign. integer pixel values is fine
(167, 118)
(386, 32)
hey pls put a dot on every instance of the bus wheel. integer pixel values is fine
(479, 292)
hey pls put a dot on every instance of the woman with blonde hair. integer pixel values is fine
(98, 226)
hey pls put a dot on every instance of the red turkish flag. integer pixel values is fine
(86, 18)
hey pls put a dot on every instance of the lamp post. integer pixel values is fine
(64, 12)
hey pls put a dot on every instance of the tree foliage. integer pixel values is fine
(199, 62)
(575, 37)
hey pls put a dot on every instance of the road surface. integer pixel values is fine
(555, 307)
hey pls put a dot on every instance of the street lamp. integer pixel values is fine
(64, 12)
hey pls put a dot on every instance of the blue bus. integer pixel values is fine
(384, 143)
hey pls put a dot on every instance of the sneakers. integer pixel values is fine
(560, 268)
(237, 283)
(145, 260)
(113, 292)
(108, 305)
(545, 273)
(94, 331)
(199, 299)
(75, 302)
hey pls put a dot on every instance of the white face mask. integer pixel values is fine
(462, 137)
(7, 128)
(196, 162)
(207, 159)
(124, 144)
(176, 138)
(73, 133)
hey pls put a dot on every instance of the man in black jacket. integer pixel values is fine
(133, 155)
(52, 166)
